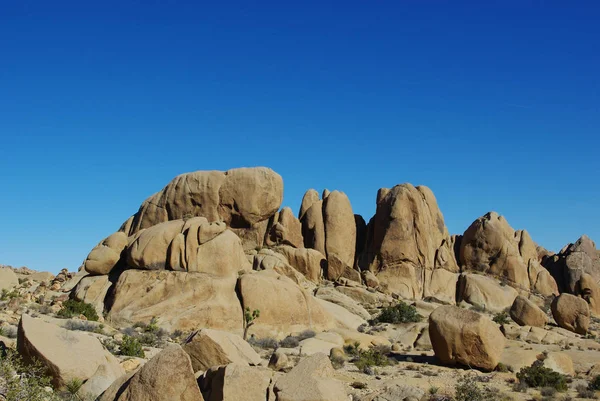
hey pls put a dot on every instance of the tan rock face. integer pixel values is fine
(180, 300)
(408, 237)
(8, 278)
(310, 197)
(588, 289)
(236, 382)
(286, 230)
(309, 262)
(103, 258)
(340, 228)
(239, 197)
(93, 290)
(193, 245)
(574, 260)
(485, 292)
(167, 376)
(526, 313)
(284, 307)
(312, 379)
(208, 348)
(460, 336)
(313, 227)
(571, 313)
(490, 245)
(55, 347)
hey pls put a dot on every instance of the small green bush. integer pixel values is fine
(22, 381)
(538, 375)
(132, 347)
(7, 295)
(466, 389)
(366, 359)
(585, 392)
(72, 308)
(74, 385)
(595, 383)
(501, 318)
(399, 313)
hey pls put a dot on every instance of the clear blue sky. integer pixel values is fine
(493, 105)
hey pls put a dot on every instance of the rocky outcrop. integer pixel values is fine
(239, 197)
(526, 313)
(285, 229)
(460, 336)
(105, 256)
(312, 379)
(284, 306)
(65, 354)
(491, 246)
(181, 301)
(8, 278)
(93, 290)
(167, 376)
(408, 238)
(235, 382)
(588, 289)
(207, 348)
(309, 262)
(571, 313)
(572, 262)
(485, 292)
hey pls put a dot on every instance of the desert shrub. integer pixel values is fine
(399, 313)
(548, 391)
(22, 381)
(538, 375)
(585, 392)
(365, 360)
(264, 343)
(74, 385)
(131, 346)
(306, 334)
(502, 368)
(595, 383)
(7, 295)
(72, 308)
(81, 325)
(289, 342)
(433, 390)
(466, 389)
(501, 318)
(358, 385)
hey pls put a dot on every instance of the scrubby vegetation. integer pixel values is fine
(294, 341)
(131, 346)
(467, 389)
(84, 325)
(149, 334)
(399, 313)
(366, 360)
(24, 382)
(249, 318)
(537, 375)
(501, 318)
(264, 343)
(72, 308)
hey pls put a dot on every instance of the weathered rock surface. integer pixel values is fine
(490, 245)
(207, 348)
(167, 376)
(67, 355)
(8, 278)
(526, 313)
(236, 382)
(309, 262)
(312, 379)
(460, 336)
(313, 227)
(572, 262)
(104, 257)
(486, 292)
(408, 237)
(571, 312)
(102, 379)
(93, 290)
(284, 306)
(239, 197)
(588, 289)
(340, 228)
(180, 300)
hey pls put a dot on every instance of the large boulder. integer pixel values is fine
(310, 197)
(102, 379)
(285, 229)
(208, 348)
(93, 290)
(167, 376)
(588, 289)
(285, 308)
(240, 197)
(105, 256)
(407, 237)
(340, 228)
(312, 379)
(526, 313)
(180, 300)
(491, 246)
(486, 292)
(331, 294)
(313, 227)
(571, 313)
(309, 262)
(8, 278)
(572, 262)
(65, 354)
(235, 382)
(460, 336)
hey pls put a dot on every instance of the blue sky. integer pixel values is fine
(493, 105)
